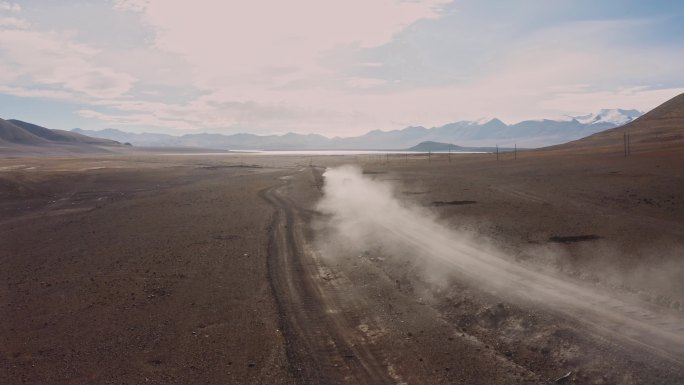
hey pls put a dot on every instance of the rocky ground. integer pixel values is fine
(211, 269)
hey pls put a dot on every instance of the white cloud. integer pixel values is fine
(37, 93)
(365, 82)
(262, 65)
(229, 42)
(336, 68)
(130, 5)
(9, 6)
(52, 60)
(247, 55)
(638, 98)
(371, 64)
(13, 22)
(136, 120)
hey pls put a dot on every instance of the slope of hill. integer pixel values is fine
(18, 137)
(430, 146)
(529, 133)
(144, 139)
(436, 146)
(12, 134)
(60, 135)
(659, 128)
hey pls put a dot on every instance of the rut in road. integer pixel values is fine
(323, 345)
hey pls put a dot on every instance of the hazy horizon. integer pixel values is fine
(478, 122)
(336, 69)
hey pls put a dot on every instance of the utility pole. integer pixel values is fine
(515, 151)
(497, 152)
(624, 139)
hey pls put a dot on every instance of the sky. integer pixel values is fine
(336, 68)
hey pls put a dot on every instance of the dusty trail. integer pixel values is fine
(622, 319)
(361, 206)
(323, 345)
(321, 323)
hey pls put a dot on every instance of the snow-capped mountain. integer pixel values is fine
(479, 133)
(614, 116)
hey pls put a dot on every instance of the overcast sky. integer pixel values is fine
(339, 67)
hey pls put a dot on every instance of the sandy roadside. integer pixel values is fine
(137, 271)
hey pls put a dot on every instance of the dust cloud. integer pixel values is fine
(365, 214)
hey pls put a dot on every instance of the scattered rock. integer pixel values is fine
(563, 378)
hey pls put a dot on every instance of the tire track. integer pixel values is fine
(323, 346)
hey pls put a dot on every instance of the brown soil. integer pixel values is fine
(200, 269)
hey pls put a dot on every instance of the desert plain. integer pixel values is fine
(153, 268)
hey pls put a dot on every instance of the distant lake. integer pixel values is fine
(354, 152)
(320, 152)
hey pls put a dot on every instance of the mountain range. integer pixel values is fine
(486, 133)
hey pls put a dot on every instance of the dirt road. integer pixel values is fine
(323, 344)
(344, 321)
(175, 270)
(337, 332)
